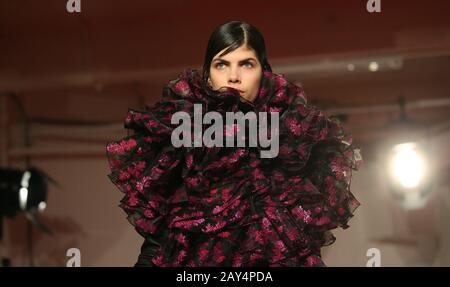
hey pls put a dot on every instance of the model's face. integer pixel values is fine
(239, 69)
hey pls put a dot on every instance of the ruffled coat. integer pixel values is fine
(227, 206)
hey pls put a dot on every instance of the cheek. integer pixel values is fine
(254, 81)
(217, 80)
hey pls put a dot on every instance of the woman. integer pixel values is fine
(200, 205)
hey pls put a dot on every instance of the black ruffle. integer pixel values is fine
(226, 206)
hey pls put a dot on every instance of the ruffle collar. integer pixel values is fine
(275, 92)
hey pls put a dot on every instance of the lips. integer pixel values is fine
(240, 91)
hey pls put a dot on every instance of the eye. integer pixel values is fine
(220, 65)
(248, 65)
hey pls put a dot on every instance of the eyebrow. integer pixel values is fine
(242, 61)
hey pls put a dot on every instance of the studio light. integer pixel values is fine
(373, 66)
(407, 163)
(408, 170)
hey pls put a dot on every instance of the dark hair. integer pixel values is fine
(233, 35)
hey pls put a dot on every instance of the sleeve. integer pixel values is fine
(323, 157)
(329, 168)
(146, 168)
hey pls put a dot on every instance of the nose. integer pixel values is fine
(234, 76)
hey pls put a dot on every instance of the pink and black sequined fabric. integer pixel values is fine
(227, 206)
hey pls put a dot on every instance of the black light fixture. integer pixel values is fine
(22, 191)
